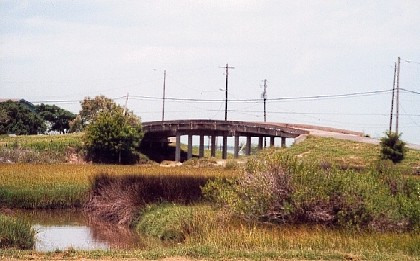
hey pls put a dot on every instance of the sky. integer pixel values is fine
(60, 52)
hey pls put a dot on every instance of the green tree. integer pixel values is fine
(20, 118)
(113, 136)
(92, 106)
(392, 147)
(4, 117)
(57, 118)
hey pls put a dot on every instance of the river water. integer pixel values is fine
(71, 229)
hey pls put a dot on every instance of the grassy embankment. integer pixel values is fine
(349, 154)
(39, 148)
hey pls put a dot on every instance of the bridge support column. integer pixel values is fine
(201, 148)
(224, 154)
(260, 143)
(189, 154)
(271, 141)
(236, 147)
(283, 142)
(213, 146)
(178, 148)
(248, 145)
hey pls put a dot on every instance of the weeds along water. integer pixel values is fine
(15, 233)
(203, 231)
(66, 185)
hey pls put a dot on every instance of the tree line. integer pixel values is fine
(23, 118)
(112, 134)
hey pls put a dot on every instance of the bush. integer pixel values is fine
(282, 190)
(115, 198)
(392, 147)
(113, 137)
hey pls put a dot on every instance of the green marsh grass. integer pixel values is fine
(15, 233)
(67, 185)
(208, 232)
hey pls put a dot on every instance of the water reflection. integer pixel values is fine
(50, 238)
(64, 229)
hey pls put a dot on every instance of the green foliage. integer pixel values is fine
(58, 119)
(20, 118)
(283, 190)
(91, 107)
(174, 222)
(392, 147)
(15, 233)
(113, 137)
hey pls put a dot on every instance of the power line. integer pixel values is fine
(410, 61)
(315, 97)
(175, 99)
(410, 91)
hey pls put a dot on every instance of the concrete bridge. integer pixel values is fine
(160, 131)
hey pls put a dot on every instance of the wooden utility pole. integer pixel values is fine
(398, 96)
(392, 101)
(125, 106)
(264, 96)
(226, 90)
(163, 99)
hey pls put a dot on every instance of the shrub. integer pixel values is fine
(392, 147)
(113, 137)
(115, 198)
(283, 190)
(232, 164)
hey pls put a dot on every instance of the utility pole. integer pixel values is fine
(226, 90)
(398, 96)
(392, 101)
(264, 96)
(163, 99)
(125, 106)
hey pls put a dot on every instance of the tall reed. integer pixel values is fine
(15, 233)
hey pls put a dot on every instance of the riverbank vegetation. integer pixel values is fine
(67, 185)
(15, 233)
(320, 199)
(283, 190)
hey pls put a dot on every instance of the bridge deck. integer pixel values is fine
(159, 131)
(218, 128)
